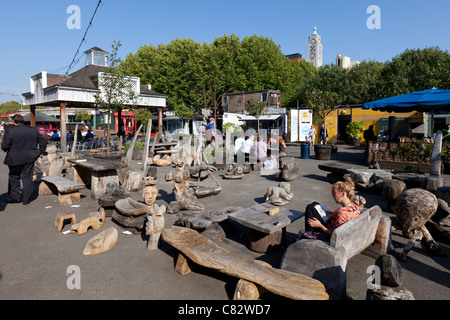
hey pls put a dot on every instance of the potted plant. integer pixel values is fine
(354, 131)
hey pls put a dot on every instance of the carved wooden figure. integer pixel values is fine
(413, 209)
(154, 225)
(150, 191)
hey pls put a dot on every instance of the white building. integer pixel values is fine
(78, 90)
(315, 49)
(345, 63)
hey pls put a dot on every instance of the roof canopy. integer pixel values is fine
(78, 89)
(422, 101)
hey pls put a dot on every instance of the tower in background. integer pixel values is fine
(315, 49)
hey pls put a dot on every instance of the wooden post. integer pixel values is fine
(160, 123)
(147, 145)
(62, 124)
(33, 116)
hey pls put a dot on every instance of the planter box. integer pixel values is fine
(323, 151)
(391, 165)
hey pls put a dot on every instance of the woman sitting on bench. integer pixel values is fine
(320, 224)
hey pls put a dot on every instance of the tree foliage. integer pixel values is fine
(196, 76)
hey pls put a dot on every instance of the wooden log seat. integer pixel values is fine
(68, 191)
(327, 262)
(196, 249)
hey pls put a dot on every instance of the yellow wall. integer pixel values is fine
(369, 117)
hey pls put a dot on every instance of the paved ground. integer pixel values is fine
(34, 257)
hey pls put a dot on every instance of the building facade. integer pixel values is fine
(345, 63)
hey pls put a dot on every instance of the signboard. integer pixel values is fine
(306, 122)
(301, 122)
(294, 125)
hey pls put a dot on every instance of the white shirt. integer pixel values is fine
(239, 145)
(247, 146)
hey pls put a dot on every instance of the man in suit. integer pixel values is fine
(24, 145)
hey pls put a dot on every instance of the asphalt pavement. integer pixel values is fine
(39, 263)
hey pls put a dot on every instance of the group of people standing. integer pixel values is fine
(323, 135)
(256, 147)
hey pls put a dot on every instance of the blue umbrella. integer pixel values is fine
(422, 101)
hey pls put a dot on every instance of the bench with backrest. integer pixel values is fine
(67, 190)
(327, 262)
(197, 249)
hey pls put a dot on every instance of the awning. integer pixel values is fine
(262, 118)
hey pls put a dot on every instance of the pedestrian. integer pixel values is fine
(248, 146)
(239, 148)
(323, 134)
(260, 148)
(312, 136)
(282, 148)
(369, 135)
(24, 145)
(210, 132)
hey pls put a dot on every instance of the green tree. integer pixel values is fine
(416, 70)
(323, 103)
(142, 115)
(257, 110)
(10, 107)
(116, 88)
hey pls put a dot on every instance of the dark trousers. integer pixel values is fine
(310, 213)
(22, 172)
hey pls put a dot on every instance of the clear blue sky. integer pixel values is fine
(35, 36)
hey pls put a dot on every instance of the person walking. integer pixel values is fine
(210, 131)
(24, 145)
(323, 134)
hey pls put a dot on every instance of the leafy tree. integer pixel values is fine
(257, 110)
(9, 107)
(116, 89)
(142, 115)
(323, 103)
(83, 115)
(416, 70)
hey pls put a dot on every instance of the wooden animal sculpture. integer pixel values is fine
(280, 195)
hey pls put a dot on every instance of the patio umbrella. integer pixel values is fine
(422, 101)
(431, 100)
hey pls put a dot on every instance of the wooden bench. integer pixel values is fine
(327, 262)
(196, 249)
(67, 190)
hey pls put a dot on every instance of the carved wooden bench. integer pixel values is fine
(67, 190)
(93, 221)
(196, 249)
(327, 262)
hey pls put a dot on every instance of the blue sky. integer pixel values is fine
(35, 36)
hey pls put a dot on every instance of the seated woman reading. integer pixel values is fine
(322, 226)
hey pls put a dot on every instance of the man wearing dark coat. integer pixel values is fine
(24, 145)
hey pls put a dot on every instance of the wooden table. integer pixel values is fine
(265, 231)
(96, 173)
